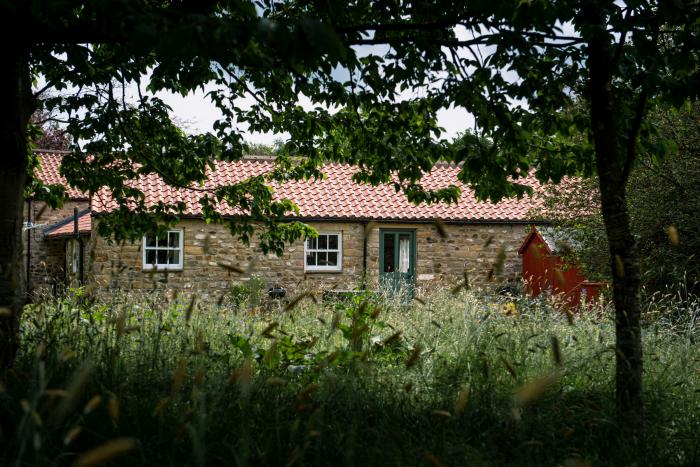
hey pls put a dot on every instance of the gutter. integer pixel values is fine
(66, 221)
(379, 219)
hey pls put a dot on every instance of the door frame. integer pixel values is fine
(414, 251)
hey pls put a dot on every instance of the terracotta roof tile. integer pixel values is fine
(50, 174)
(338, 197)
(65, 228)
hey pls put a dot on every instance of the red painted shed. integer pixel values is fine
(545, 271)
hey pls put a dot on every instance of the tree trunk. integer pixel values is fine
(625, 269)
(17, 103)
(611, 159)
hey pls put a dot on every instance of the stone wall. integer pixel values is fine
(440, 259)
(47, 256)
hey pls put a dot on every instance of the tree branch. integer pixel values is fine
(632, 133)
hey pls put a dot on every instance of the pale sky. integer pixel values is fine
(198, 115)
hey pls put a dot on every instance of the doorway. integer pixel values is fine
(397, 261)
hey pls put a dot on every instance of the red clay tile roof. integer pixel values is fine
(50, 175)
(338, 197)
(65, 228)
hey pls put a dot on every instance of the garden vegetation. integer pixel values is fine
(455, 378)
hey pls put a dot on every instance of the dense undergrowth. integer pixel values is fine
(457, 380)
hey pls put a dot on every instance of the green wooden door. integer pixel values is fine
(397, 261)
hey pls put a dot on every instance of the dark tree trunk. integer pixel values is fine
(17, 104)
(611, 160)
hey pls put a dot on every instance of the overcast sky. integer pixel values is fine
(198, 115)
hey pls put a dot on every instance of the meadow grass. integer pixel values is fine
(465, 379)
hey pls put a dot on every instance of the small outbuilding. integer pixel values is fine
(546, 271)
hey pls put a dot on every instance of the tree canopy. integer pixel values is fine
(376, 73)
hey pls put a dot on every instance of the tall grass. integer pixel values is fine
(450, 380)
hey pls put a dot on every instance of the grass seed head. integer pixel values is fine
(556, 350)
(75, 387)
(560, 277)
(179, 376)
(569, 316)
(107, 451)
(392, 338)
(509, 366)
(230, 267)
(413, 357)
(296, 300)
(533, 390)
(441, 227)
(24, 403)
(267, 332)
(431, 459)
(462, 399)
(190, 307)
(673, 235)
(56, 392)
(161, 405)
(71, 435)
(619, 266)
(113, 409)
(92, 404)
(500, 261)
(275, 381)
(337, 316)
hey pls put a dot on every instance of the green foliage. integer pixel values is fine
(249, 293)
(662, 194)
(290, 386)
(239, 293)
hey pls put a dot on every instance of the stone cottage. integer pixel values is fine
(44, 253)
(368, 236)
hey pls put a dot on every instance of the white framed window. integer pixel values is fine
(165, 251)
(324, 253)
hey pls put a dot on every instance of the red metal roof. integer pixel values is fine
(65, 227)
(50, 174)
(338, 197)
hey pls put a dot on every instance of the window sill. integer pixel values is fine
(322, 271)
(154, 270)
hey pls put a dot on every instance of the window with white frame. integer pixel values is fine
(164, 251)
(324, 253)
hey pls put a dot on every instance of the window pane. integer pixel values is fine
(151, 241)
(162, 256)
(332, 259)
(174, 257)
(150, 256)
(311, 259)
(173, 239)
(389, 253)
(332, 242)
(322, 242)
(321, 259)
(312, 243)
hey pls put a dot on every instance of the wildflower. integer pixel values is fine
(510, 309)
